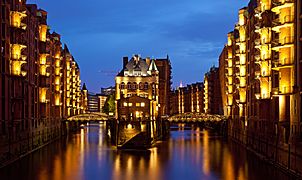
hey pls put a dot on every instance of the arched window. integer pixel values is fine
(146, 85)
(134, 85)
(141, 85)
(128, 85)
(122, 86)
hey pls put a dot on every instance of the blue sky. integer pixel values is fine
(100, 32)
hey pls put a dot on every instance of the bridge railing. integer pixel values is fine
(89, 117)
(196, 117)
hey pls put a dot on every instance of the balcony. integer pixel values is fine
(238, 52)
(43, 95)
(257, 58)
(242, 84)
(285, 90)
(44, 70)
(17, 68)
(43, 32)
(280, 4)
(284, 63)
(16, 52)
(265, 96)
(288, 40)
(286, 21)
(16, 18)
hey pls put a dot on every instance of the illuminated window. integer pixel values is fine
(130, 104)
(134, 86)
(125, 104)
(138, 104)
(129, 85)
(142, 104)
(122, 85)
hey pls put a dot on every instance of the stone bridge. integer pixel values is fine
(196, 117)
(85, 117)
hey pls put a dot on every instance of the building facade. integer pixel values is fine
(187, 99)
(263, 80)
(137, 90)
(212, 92)
(108, 91)
(31, 80)
(165, 81)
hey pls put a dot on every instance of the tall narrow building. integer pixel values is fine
(31, 81)
(263, 78)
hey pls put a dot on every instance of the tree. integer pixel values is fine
(109, 106)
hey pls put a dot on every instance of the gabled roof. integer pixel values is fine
(153, 66)
(84, 87)
(136, 65)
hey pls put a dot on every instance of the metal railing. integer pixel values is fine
(285, 89)
(284, 20)
(281, 2)
(283, 41)
(283, 62)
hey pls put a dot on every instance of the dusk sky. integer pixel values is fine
(100, 32)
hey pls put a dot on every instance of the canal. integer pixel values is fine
(189, 153)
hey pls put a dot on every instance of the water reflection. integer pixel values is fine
(190, 153)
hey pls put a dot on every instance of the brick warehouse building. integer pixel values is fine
(262, 66)
(187, 99)
(39, 80)
(164, 67)
(204, 97)
(212, 92)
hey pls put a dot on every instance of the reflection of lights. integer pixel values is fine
(143, 127)
(153, 158)
(129, 126)
(109, 133)
(206, 160)
(117, 169)
(101, 135)
(82, 140)
(129, 169)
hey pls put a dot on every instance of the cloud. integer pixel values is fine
(100, 32)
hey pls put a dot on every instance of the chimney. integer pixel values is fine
(125, 61)
(148, 60)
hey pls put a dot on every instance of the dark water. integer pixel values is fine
(187, 154)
